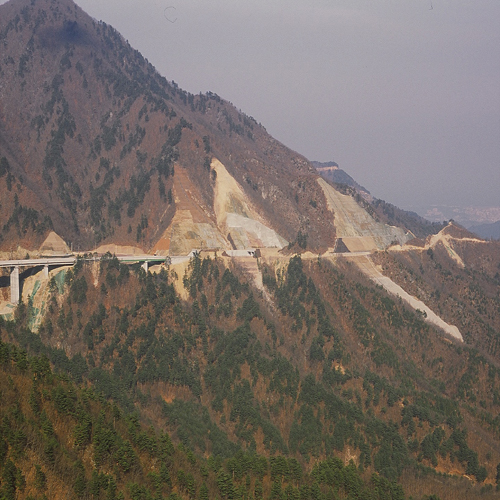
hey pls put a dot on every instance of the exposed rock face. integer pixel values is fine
(231, 223)
(193, 226)
(367, 266)
(357, 228)
(236, 216)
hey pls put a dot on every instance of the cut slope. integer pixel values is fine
(231, 223)
(192, 227)
(54, 245)
(358, 230)
(448, 237)
(237, 218)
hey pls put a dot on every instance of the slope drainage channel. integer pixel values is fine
(367, 267)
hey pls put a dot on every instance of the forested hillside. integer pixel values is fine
(62, 441)
(263, 398)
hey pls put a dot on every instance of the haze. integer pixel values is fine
(404, 95)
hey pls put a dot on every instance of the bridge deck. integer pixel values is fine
(71, 260)
(46, 261)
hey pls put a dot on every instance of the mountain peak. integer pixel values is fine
(107, 151)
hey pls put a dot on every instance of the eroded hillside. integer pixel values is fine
(458, 276)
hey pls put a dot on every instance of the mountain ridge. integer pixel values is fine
(487, 231)
(102, 134)
(84, 83)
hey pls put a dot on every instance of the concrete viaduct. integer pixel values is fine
(68, 260)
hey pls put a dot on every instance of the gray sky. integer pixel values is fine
(403, 94)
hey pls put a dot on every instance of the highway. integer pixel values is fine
(71, 260)
(44, 261)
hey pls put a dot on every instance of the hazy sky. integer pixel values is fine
(403, 94)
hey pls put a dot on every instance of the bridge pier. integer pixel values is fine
(14, 286)
(145, 266)
(46, 271)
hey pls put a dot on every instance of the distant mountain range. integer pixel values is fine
(467, 216)
(487, 231)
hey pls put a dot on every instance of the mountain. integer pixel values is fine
(380, 209)
(487, 231)
(93, 152)
(105, 150)
(332, 172)
(467, 216)
(316, 345)
(318, 381)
